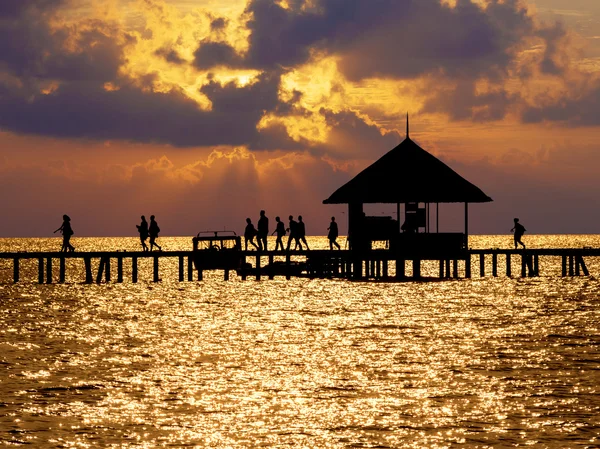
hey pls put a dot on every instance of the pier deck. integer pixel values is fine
(375, 264)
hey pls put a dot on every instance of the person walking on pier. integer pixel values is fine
(519, 230)
(263, 231)
(67, 232)
(280, 231)
(293, 230)
(332, 235)
(249, 234)
(301, 233)
(153, 231)
(143, 230)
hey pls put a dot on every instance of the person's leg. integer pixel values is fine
(246, 243)
(289, 243)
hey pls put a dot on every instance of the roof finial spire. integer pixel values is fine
(407, 125)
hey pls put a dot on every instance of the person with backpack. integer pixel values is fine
(67, 232)
(249, 234)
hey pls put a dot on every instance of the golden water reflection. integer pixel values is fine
(486, 362)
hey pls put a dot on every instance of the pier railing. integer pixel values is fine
(380, 264)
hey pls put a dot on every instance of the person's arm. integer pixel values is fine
(59, 229)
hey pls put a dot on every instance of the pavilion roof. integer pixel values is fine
(408, 174)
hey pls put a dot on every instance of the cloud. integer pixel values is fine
(582, 109)
(383, 38)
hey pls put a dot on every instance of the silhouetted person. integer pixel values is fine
(153, 231)
(280, 231)
(293, 230)
(249, 234)
(332, 235)
(263, 231)
(301, 233)
(143, 230)
(519, 230)
(67, 232)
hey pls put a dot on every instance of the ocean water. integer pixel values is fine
(476, 363)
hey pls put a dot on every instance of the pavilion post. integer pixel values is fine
(466, 225)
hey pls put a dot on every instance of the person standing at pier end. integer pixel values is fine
(249, 234)
(332, 235)
(293, 230)
(67, 232)
(519, 230)
(280, 231)
(153, 231)
(143, 230)
(263, 231)
(301, 233)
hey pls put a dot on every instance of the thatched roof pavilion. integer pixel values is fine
(406, 175)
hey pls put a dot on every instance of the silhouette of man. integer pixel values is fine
(67, 232)
(519, 230)
(293, 229)
(263, 231)
(143, 230)
(301, 233)
(153, 231)
(249, 234)
(332, 235)
(280, 231)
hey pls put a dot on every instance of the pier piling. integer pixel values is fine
(62, 270)
(88, 270)
(16, 270)
(134, 269)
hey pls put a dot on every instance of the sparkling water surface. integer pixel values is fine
(481, 362)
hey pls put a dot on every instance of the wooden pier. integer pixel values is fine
(97, 267)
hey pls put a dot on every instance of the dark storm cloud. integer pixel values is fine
(384, 38)
(85, 110)
(29, 49)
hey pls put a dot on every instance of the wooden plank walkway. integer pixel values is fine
(371, 265)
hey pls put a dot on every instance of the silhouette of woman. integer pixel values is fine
(249, 234)
(143, 230)
(67, 232)
(332, 235)
(153, 231)
(280, 230)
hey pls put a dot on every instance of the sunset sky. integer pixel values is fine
(203, 112)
